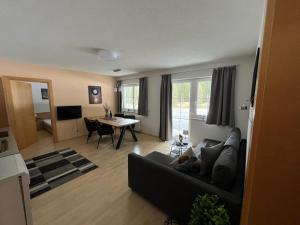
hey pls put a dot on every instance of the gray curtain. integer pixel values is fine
(221, 108)
(165, 129)
(119, 96)
(143, 96)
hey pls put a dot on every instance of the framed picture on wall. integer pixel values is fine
(44, 93)
(95, 95)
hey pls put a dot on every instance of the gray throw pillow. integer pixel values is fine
(208, 157)
(224, 169)
(234, 138)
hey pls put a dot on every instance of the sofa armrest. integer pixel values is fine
(172, 191)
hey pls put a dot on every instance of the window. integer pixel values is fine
(181, 93)
(130, 97)
(203, 95)
(190, 100)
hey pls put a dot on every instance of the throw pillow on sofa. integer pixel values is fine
(208, 157)
(224, 169)
(234, 138)
(189, 165)
(184, 157)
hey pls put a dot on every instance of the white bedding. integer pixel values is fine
(48, 122)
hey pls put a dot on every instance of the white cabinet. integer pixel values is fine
(14, 191)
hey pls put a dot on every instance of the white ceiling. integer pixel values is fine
(150, 34)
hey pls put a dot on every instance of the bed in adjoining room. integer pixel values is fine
(47, 125)
(43, 121)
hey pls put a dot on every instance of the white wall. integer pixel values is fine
(252, 109)
(200, 130)
(40, 105)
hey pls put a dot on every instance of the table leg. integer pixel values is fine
(133, 133)
(121, 137)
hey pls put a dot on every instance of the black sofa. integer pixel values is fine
(174, 192)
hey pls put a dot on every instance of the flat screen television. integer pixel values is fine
(254, 78)
(68, 112)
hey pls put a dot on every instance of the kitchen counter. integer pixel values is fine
(14, 185)
(11, 162)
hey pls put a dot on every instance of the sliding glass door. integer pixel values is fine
(181, 93)
(190, 101)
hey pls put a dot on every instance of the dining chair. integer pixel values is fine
(104, 130)
(119, 115)
(90, 126)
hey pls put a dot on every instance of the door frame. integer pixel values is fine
(50, 96)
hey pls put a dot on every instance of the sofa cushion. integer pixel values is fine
(208, 157)
(234, 138)
(224, 169)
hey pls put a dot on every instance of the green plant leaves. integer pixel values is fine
(207, 211)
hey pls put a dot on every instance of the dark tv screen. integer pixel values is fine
(254, 79)
(69, 112)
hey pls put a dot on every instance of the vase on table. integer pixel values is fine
(106, 109)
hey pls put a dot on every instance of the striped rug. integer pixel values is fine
(56, 168)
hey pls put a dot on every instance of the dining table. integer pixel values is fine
(118, 122)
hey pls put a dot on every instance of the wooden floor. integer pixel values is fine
(101, 196)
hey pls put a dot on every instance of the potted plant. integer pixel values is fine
(207, 211)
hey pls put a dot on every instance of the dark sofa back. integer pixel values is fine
(238, 185)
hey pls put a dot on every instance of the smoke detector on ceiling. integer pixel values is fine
(108, 55)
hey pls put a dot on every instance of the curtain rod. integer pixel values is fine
(191, 78)
(187, 71)
(208, 68)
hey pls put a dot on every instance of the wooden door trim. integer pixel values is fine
(50, 95)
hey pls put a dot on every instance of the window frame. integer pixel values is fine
(133, 110)
(194, 98)
(194, 95)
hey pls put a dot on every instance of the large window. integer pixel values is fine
(181, 92)
(130, 97)
(203, 95)
(190, 100)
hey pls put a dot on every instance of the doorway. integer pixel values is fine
(29, 103)
(41, 110)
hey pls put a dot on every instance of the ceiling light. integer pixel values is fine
(108, 55)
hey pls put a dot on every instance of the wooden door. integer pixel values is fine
(24, 124)
(3, 114)
(272, 191)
